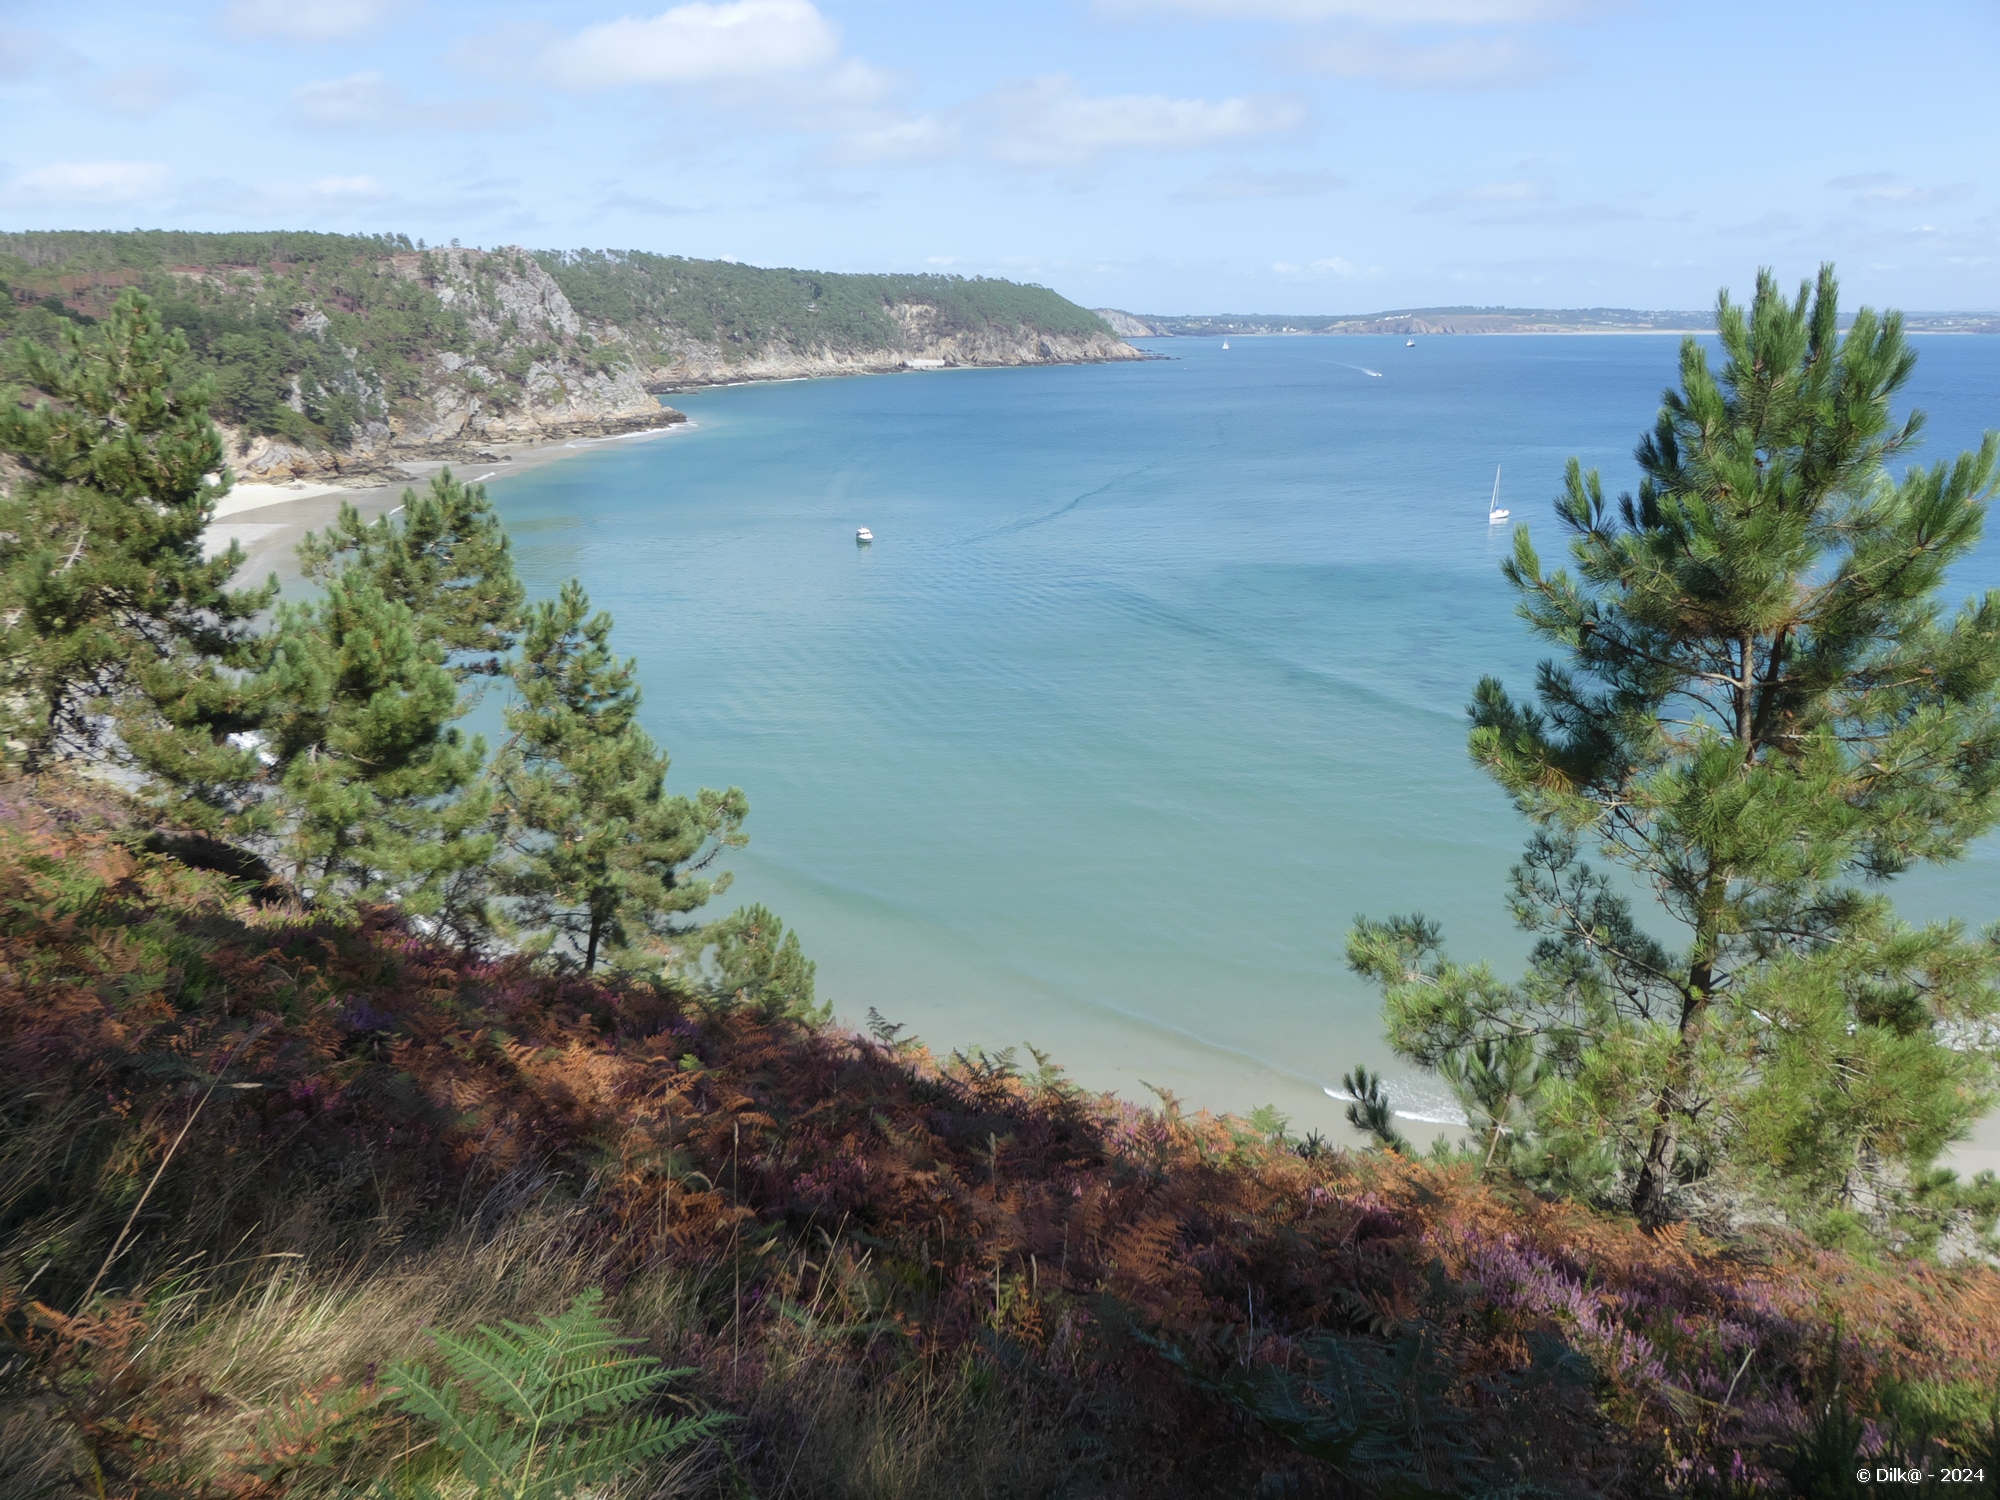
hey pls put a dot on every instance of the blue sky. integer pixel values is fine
(1159, 155)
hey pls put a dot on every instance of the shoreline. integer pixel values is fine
(270, 519)
(302, 505)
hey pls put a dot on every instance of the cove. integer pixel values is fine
(1153, 678)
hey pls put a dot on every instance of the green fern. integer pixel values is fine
(537, 1413)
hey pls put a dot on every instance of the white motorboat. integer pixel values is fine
(1494, 514)
(1409, 343)
(863, 536)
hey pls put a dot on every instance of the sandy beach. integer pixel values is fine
(268, 520)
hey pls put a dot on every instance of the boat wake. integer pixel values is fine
(1027, 522)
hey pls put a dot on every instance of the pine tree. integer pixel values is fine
(116, 635)
(383, 798)
(369, 768)
(1763, 714)
(757, 962)
(448, 560)
(601, 858)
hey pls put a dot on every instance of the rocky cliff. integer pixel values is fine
(690, 364)
(1125, 325)
(338, 357)
(527, 371)
(541, 372)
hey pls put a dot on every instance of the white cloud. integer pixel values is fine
(848, 101)
(1332, 265)
(916, 138)
(90, 182)
(1903, 193)
(700, 43)
(1521, 190)
(1379, 12)
(136, 93)
(854, 84)
(1886, 187)
(371, 101)
(1048, 122)
(1234, 185)
(307, 20)
(1462, 62)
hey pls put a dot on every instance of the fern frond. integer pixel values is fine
(506, 1372)
(580, 1459)
(485, 1449)
(536, 1417)
(605, 1387)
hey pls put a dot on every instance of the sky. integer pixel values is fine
(1167, 156)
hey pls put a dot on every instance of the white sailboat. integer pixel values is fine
(1494, 514)
(1225, 343)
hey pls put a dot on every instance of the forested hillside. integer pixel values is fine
(722, 301)
(342, 353)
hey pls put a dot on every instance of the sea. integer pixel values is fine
(1152, 680)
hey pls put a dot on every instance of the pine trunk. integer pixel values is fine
(1656, 1173)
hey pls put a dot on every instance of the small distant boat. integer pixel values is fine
(863, 536)
(1494, 514)
(1225, 343)
(1409, 343)
(1377, 374)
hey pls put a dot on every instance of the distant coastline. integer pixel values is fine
(1436, 322)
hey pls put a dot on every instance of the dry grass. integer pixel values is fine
(901, 1277)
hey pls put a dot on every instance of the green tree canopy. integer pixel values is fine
(448, 560)
(116, 633)
(369, 766)
(601, 860)
(1761, 712)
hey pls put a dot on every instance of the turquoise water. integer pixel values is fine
(1152, 680)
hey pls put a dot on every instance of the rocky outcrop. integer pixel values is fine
(1125, 325)
(520, 365)
(527, 371)
(685, 364)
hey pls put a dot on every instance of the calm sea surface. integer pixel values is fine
(1153, 678)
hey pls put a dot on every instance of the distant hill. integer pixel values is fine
(1446, 320)
(342, 354)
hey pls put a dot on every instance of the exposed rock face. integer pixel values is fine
(522, 366)
(686, 363)
(1125, 325)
